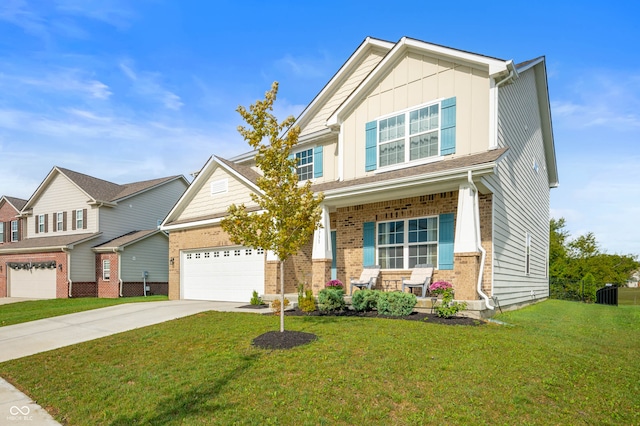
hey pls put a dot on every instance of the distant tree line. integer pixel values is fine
(577, 267)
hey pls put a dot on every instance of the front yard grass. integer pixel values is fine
(31, 310)
(558, 363)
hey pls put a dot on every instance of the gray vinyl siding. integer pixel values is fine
(83, 262)
(141, 211)
(521, 196)
(150, 254)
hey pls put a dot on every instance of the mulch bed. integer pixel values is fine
(291, 339)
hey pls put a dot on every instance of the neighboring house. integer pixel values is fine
(426, 155)
(11, 224)
(85, 236)
(633, 279)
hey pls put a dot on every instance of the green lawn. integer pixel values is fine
(15, 313)
(558, 363)
(629, 296)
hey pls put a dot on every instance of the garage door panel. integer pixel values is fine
(32, 283)
(226, 274)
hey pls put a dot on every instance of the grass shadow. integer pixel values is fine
(192, 403)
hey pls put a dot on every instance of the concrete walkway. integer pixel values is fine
(29, 338)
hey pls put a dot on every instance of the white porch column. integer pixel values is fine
(322, 237)
(466, 232)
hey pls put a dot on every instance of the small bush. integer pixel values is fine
(255, 299)
(396, 303)
(365, 300)
(308, 302)
(331, 300)
(447, 307)
(275, 305)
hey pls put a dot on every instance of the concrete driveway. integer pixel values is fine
(43, 335)
(29, 338)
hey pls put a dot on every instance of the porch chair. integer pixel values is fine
(368, 278)
(420, 277)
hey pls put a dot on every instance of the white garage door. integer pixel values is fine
(225, 274)
(34, 283)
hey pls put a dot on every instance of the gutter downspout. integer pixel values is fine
(479, 240)
(120, 283)
(65, 250)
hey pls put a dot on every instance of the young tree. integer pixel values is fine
(289, 212)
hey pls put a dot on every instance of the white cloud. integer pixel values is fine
(113, 12)
(58, 81)
(147, 85)
(314, 67)
(17, 12)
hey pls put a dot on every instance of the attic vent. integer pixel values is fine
(219, 186)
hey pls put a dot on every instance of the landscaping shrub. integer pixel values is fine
(308, 302)
(365, 300)
(331, 299)
(255, 299)
(447, 308)
(396, 303)
(275, 305)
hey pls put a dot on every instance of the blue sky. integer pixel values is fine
(133, 90)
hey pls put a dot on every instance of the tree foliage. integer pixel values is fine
(578, 266)
(289, 212)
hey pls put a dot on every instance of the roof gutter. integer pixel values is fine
(69, 281)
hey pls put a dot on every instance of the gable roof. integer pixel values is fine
(99, 190)
(127, 239)
(16, 203)
(494, 66)
(242, 173)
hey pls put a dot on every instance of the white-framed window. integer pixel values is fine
(14, 231)
(2, 233)
(402, 244)
(527, 254)
(106, 269)
(41, 223)
(79, 219)
(411, 135)
(304, 165)
(188, 256)
(60, 221)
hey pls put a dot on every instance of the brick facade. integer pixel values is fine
(348, 224)
(62, 285)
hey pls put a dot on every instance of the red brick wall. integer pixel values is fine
(62, 287)
(110, 287)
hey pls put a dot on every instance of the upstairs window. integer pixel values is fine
(304, 165)
(60, 221)
(79, 219)
(41, 223)
(14, 231)
(309, 163)
(419, 133)
(2, 233)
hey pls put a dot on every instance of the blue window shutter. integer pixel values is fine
(448, 131)
(445, 241)
(369, 244)
(317, 161)
(334, 255)
(371, 140)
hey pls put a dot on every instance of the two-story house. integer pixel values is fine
(11, 225)
(84, 236)
(426, 155)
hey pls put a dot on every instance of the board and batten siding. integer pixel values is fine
(521, 196)
(204, 203)
(150, 254)
(318, 121)
(414, 80)
(141, 211)
(61, 196)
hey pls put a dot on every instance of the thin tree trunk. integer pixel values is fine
(281, 296)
